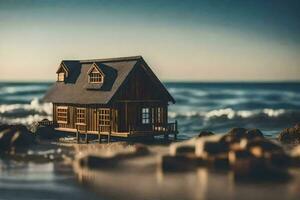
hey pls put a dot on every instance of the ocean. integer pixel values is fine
(199, 106)
(217, 107)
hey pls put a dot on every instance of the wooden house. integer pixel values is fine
(119, 97)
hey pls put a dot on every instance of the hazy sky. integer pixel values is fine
(209, 40)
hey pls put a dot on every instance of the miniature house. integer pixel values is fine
(121, 97)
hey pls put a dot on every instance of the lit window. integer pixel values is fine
(61, 76)
(62, 114)
(95, 76)
(80, 115)
(145, 116)
(104, 117)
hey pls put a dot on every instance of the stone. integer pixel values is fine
(237, 133)
(295, 156)
(15, 136)
(290, 135)
(94, 162)
(45, 132)
(179, 163)
(114, 158)
(218, 161)
(183, 148)
(205, 133)
(259, 147)
(254, 133)
(205, 149)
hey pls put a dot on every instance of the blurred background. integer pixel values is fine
(227, 63)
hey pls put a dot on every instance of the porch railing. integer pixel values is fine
(46, 122)
(156, 128)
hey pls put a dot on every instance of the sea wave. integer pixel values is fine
(25, 113)
(230, 113)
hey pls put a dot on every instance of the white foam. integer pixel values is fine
(228, 113)
(34, 105)
(273, 113)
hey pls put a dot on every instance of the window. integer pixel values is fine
(95, 76)
(145, 116)
(159, 115)
(62, 114)
(104, 117)
(80, 115)
(61, 76)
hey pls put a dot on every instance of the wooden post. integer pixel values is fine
(99, 135)
(126, 112)
(175, 132)
(86, 135)
(77, 134)
(108, 137)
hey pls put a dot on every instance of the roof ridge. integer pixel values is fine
(116, 59)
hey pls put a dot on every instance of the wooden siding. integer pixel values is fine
(140, 87)
(91, 117)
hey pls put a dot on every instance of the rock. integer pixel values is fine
(94, 162)
(237, 133)
(210, 146)
(114, 158)
(14, 137)
(183, 148)
(254, 133)
(261, 147)
(295, 156)
(205, 133)
(290, 135)
(45, 132)
(241, 161)
(297, 126)
(219, 161)
(179, 163)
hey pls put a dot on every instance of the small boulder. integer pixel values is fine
(14, 137)
(188, 149)
(113, 158)
(237, 133)
(207, 149)
(183, 148)
(290, 135)
(45, 132)
(259, 147)
(179, 163)
(205, 133)
(254, 133)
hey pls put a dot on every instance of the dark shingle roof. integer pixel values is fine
(76, 88)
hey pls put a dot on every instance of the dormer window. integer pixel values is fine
(62, 73)
(61, 76)
(95, 75)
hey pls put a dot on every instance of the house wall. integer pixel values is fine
(140, 86)
(91, 117)
(140, 91)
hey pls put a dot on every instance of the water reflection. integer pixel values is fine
(146, 180)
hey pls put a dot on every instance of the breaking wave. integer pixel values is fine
(229, 113)
(25, 113)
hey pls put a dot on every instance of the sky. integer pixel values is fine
(208, 40)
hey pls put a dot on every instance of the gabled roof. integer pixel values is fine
(77, 90)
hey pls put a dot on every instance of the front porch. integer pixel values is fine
(106, 132)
